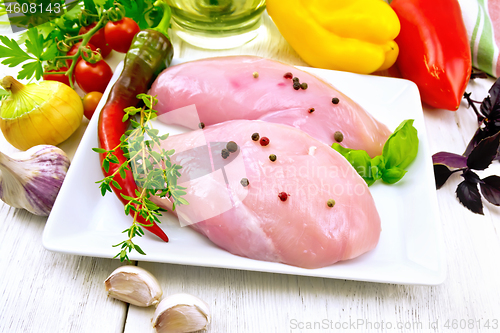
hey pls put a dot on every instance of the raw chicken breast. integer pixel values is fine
(256, 220)
(225, 89)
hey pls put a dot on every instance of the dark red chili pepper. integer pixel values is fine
(150, 51)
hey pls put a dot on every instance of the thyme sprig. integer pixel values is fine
(153, 171)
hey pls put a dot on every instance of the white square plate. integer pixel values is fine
(410, 250)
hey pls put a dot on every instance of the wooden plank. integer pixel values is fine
(42, 291)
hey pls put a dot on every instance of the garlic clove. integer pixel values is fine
(32, 179)
(181, 313)
(134, 285)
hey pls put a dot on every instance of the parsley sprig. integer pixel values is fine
(154, 173)
(41, 47)
(33, 57)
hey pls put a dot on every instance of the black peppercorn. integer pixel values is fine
(232, 146)
(244, 182)
(338, 136)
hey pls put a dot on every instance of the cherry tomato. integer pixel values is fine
(74, 49)
(120, 34)
(57, 77)
(93, 77)
(98, 39)
(90, 102)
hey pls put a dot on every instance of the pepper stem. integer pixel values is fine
(11, 84)
(165, 21)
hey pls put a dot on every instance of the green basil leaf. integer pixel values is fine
(377, 167)
(393, 175)
(401, 147)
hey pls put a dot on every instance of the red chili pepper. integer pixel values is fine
(434, 50)
(149, 52)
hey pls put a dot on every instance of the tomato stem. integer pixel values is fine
(85, 39)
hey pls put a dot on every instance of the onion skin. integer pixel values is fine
(44, 113)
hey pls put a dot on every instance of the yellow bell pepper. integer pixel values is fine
(348, 35)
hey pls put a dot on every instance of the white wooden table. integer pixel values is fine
(42, 291)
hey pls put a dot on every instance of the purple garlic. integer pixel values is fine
(32, 179)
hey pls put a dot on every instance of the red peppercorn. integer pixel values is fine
(288, 75)
(264, 141)
(283, 196)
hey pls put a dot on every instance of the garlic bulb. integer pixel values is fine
(39, 113)
(181, 313)
(32, 179)
(133, 285)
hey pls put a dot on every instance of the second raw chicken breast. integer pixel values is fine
(271, 192)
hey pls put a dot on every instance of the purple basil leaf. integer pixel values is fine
(483, 154)
(486, 106)
(450, 159)
(478, 136)
(471, 177)
(490, 188)
(441, 174)
(490, 107)
(468, 195)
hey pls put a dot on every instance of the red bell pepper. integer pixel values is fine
(434, 50)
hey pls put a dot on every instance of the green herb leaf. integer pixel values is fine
(105, 165)
(12, 52)
(393, 175)
(401, 147)
(90, 6)
(50, 53)
(31, 69)
(138, 249)
(399, 151)
(34, 43)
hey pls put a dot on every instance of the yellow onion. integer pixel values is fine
(39, 113)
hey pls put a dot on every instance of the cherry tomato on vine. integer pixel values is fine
(93, 77)
(120, 34)
(90, 102)
(98, 39)
(74, 49)
(58, 77)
